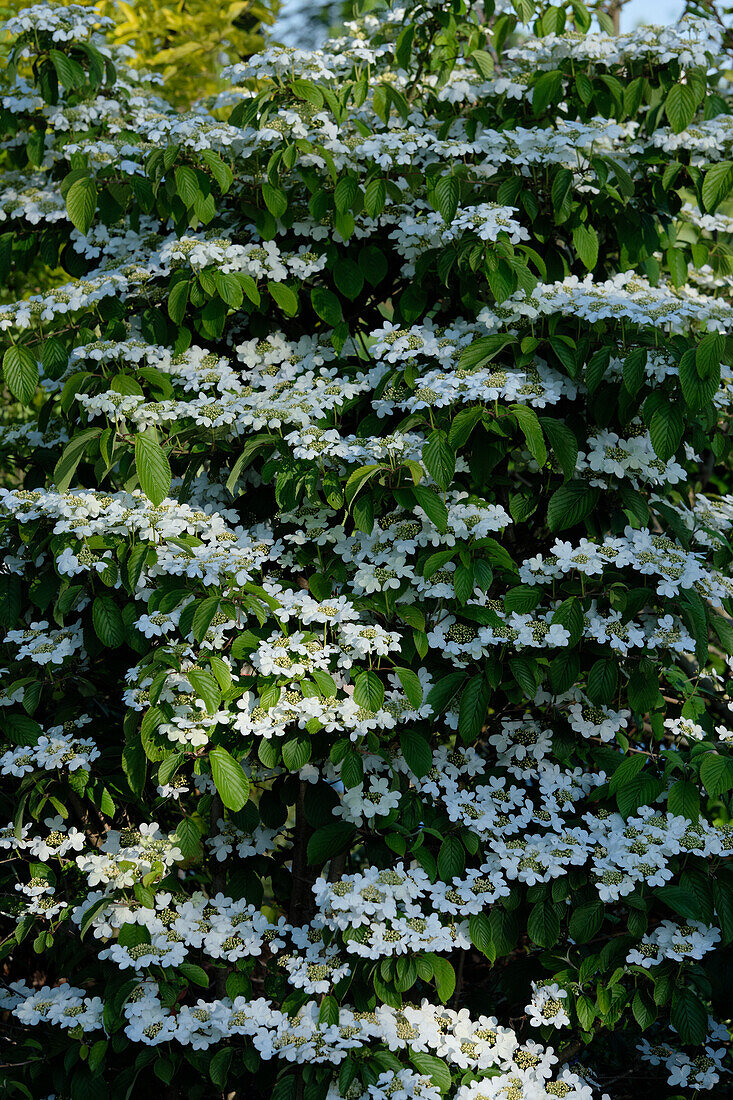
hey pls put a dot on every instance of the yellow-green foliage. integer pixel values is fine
(186, 41)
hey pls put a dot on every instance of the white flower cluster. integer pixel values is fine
(701, 1071)
(59, 747)
(43, 645)
(673, 941)
(691, 42)
(454, 1037)
(64, 23)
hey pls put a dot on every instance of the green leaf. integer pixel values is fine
(329, 841)
(680, 106)
(285, 297)
(149, 738)
(709, 353)
(221, 172)
(560, 193)
(178, 300)
(596, 368)
(563, 443)
(403, 47)
(463, 582)
(677, 265)
(439, 458)
(187, 185)
(723, 896)
(21, 374)
(666, 430)
(368, 691)
(203, 615)
(634, 373)
(153, 469)
(504, 930)
(194, 973)
(585, 243)
(522, 599)
(308, 91)
(417, 753)
(348, 278)
(296, 753)
(570, 504)
(219, 1067)
(717, 184)
(462, 425)
(586, 1012)
(328, 1013)
(451, 859)
(643, 1009)
(352, 769)
(432, 506)
(326, 305)
(90, 914)
(188, 839)
(445, 197)
(324, 682)
(634, 502)
(689, 1017)
(81, 202)
(107, 619)
(602, 681)
(229, 289)
(570, 615)
(479, 929)
(585, 921)
(229, 779)
(411, 686)
(430, 1066)
(484, 63)
(543, 926)
(529, 423)
(679, 899)
(696, 390)
(547, 90)
(375, 197)
(443, 694)
(473, 708)
(276, 200)
(641, 791)
(684, 800)
(69, 71)
(643, 689)
(54, 357)
(344, 193)
(626, 771)
(206, 687)
(716, 772)
(483, 350)
(445, 978)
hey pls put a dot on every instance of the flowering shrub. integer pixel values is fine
(366, 584)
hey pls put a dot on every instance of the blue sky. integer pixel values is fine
(649, 11)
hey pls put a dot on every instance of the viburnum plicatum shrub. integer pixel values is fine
(366, 565)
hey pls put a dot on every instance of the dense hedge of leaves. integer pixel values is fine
(366, 565)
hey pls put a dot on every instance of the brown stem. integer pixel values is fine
(337, 867)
